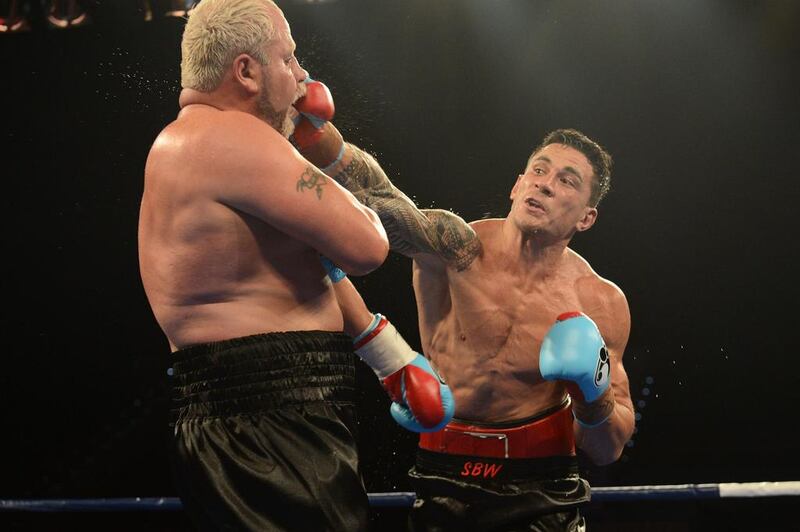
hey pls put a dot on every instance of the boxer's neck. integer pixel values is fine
(535, 249)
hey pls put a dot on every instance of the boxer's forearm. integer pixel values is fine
(355, 314)
(604, 443)
(411, 231)
(326, 150)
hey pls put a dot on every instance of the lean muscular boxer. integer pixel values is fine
(232, 224)
(529, 338)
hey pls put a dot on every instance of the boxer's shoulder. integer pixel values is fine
(593, 290)
(488, 227)
(603, 295)
(205, 126)
(489, 232)
(605, 303)
(215, 142)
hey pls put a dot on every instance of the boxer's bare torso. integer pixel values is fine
(488, 292)
(483, 327)
(229, 240)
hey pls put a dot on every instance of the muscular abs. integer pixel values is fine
(484, 333)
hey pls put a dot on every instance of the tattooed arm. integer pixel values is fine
(411, 231)
(281, 188)
(420, 234)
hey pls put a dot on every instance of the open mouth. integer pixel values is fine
(301, 92)
(533, 204)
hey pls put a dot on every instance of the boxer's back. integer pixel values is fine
(212, 271)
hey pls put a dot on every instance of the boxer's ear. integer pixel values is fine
(588, 220)
(247, 73)
(515, 187)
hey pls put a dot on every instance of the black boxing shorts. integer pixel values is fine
(500, 476)
(264, 433)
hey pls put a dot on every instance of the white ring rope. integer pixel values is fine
(406, 499)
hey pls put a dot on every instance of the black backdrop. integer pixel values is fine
(697, 101)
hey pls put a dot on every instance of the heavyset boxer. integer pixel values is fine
(529, 338)
(232, 225)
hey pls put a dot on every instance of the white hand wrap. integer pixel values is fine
(382, 347)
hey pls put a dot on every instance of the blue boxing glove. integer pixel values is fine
(573, 350)
(421, 401)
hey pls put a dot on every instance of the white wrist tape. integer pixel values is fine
(382, 347)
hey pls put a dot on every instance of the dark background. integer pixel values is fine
(696, 100)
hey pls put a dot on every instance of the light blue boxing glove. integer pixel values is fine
(573, 350)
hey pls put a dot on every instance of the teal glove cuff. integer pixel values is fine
(335, 161)
(334, 272)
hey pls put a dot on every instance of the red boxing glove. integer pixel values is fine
(421, 401)
(315, 108)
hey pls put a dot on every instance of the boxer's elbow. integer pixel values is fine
(365, 246)
(381, 252)
(371, 254)
(605, 456)
(603, 445)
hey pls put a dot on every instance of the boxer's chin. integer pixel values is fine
(287, 127)
(279, 120)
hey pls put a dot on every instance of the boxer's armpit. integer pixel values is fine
(312, 179)
(411, 231)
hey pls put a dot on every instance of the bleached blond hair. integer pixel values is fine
(219, 30)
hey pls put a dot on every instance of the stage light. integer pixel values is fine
(66, 14)
(12, 17)
(179, 8)
(147, 9)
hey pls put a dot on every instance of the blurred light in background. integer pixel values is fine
(179, 8)
(146, 7)
(13, 17)
(66, 14)
(21, 15)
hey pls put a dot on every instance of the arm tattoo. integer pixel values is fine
(311, 179)
(410, 230)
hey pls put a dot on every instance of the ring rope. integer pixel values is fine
(406, 499)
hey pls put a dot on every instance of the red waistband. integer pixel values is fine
(551, 435)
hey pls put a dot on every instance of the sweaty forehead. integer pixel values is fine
(282, 28)
(281, 43)
(562, 155)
